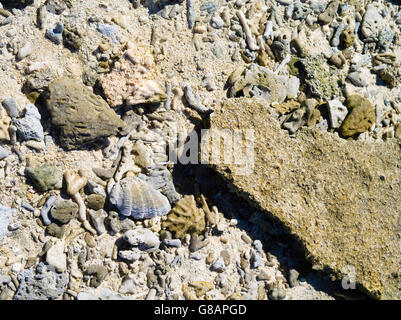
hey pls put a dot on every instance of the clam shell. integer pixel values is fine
(138, 199)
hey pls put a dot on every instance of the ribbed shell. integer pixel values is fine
(138, 199)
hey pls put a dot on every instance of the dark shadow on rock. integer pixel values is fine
(259, 225)
(155, 6)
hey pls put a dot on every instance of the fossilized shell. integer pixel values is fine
(138, 199)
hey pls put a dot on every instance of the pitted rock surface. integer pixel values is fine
(339, 198)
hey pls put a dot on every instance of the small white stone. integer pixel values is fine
(142, 238)
(17, 267)
(337, 113)
(25, 51)
(55, 256)
(233, 222)
(217, 22)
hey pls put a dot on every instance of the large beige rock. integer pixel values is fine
(341, 199)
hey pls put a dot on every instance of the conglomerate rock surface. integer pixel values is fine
(339, 198)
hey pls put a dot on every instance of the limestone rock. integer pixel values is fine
(95, 201)
(133, 77)
(302, 116)
(79, 115)
(373, 22)
(339, 198)
(119, 224)
(329, 14)
(41, 284)
(321, 78)
(29, 127)
(286, 107)
(64, 210)
(55, 230)
(262, 82)
(390, 76)
(4, 125)
(98, 273)
(347, 38)
(360, 118)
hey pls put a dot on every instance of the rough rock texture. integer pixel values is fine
(127, 78)
(45, 177)
(80, 115)
(321, 78)
(339, 198)
(41, 284)
(63, 211)
(360, 118)
(260, 81)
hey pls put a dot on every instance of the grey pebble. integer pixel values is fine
(6, 21)
(256, 259)
(209, 7)
(107, 30)
(208, 82)
(14, 227)
(177, 261)
(217, 22)
(19, 154)
(27, 206)
(176, 243)
(56, 35)
(218, 265)
(190, 14)
(3, 153)
(335, 41)
(168, 92)
(25, 51)
(44, 212)
(29, 127)
(293, 278)
(356, 80)
(11, 106)
(142, 238)
(195, 256)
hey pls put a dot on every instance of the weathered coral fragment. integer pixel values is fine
(185, 218)
(133, 78)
